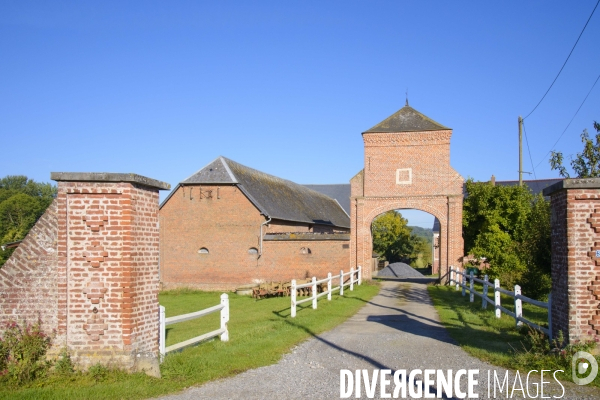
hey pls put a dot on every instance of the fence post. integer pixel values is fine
(451, 275)
(456, 277)
(485, 292)
(293, 294)
(329, 286)
(550, 316)
(463, 278)
(471, 294)
(518, 306)
(351, 279)
(161, 333)
(225, 317)
(359, 274)
(314, 292)
(341, 282)
(497, 298)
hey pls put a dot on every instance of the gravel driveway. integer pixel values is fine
(398, 329)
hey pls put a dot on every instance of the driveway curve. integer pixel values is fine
(398, 329)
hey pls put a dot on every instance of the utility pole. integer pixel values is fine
(520, 151)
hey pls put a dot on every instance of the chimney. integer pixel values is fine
(493, 180)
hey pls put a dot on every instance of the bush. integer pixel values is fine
(540, 353)
(64, 364)
(23, 353)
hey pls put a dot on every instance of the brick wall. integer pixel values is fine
(560, 278)
(407, 170)
(28, 279)
(89, 268)
(575, 267)
(228, 227)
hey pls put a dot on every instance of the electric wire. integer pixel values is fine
(565, 63)
(569, 124)
(529, 151)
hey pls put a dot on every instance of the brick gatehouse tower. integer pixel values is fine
(407, 166)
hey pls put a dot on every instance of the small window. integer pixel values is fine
(305, 250)
(253, 250)
(203, 250)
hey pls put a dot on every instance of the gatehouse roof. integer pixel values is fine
(274, 197)
(407, 119)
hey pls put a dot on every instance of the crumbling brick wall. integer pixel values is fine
(28, 279)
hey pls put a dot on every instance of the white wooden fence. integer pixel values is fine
(313, 285)
(460, 278)
(223, 307)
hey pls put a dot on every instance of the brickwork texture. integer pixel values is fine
(407, 170)
(89, 271)
(214, 243)
(575, 263)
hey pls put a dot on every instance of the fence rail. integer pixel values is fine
(313, 286)
(460, 278)
(222, 331)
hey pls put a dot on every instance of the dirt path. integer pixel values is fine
(398, 330)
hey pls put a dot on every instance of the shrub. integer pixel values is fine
(23, 353)
(64, 364)
(540, 353)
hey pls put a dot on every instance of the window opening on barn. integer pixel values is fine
(203, 250)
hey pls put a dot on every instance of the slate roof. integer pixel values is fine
(275, 197)
(340, 192)
(536, 185)
(407, 119)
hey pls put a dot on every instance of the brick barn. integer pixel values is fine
(229, 225)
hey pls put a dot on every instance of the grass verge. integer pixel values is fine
(260, 332)
(498, 340)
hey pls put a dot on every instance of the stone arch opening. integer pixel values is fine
(407, 166)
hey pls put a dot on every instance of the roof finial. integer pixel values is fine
(406, 97)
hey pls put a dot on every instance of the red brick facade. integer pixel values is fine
(407, 170)
(229, 227)
(96, 259)
(575, 264)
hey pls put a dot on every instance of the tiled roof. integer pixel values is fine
(407, 119)
(275, 197)
(340, 192)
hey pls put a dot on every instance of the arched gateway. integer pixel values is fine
(407, 165)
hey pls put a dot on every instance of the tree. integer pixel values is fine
(22, 203)
(421, 253)
(510, 227)
(391, 236)
(587, 163)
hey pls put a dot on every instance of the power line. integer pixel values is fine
(569, 124)
(565, 63)
(529, 150)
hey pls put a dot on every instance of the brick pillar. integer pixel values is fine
(455, 244)
(575, 205)
(108, 268)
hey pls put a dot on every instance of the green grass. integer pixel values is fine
(260, 332)
(498, 340)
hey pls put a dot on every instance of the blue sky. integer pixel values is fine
(162, 88)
